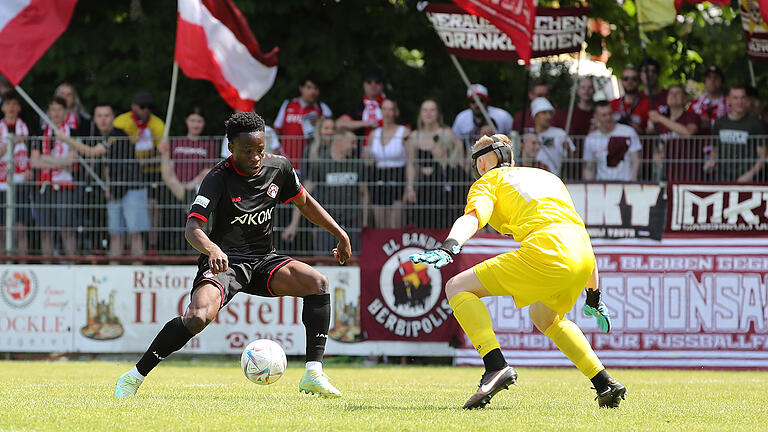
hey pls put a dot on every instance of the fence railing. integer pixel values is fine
(53, 209)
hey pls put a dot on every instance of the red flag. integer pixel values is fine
(514, 17)
(214, 43)
(27, 30)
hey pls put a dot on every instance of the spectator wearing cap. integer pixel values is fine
(738, 149)
(147, 130)
(468, 123)
(713, 104)
(297, 118)
(612, 151)
(649, 76)
(366, 116)
(536, 89)
(555, 144)
(632, 108)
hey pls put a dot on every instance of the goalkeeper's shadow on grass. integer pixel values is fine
(411, 408)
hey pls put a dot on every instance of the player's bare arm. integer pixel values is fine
(316, 214)
(193, 232)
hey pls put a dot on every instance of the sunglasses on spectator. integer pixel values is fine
(630, 78)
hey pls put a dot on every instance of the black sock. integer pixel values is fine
(316, 316)
(494, 361)
(171, 338)
(600, 381)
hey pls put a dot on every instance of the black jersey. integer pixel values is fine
(243, 206)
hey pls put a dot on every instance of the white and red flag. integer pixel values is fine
(214, 43)
(27, 30)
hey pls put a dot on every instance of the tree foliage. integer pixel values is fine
(112, 49)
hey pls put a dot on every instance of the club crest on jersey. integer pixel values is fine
(272, 191)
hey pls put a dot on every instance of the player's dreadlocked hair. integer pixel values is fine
(243, 122)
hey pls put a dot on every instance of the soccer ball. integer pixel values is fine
(263, 361)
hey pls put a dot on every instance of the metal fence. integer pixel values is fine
(114, 204)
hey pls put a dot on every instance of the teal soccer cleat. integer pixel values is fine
(126, 386)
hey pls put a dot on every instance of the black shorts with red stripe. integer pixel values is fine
(251, 277)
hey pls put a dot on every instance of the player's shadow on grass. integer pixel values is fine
(423, 407)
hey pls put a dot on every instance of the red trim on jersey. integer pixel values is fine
(199, 216)
(232, 161)
(295, 196)
(277, 267)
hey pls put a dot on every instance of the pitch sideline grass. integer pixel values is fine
(213, 396)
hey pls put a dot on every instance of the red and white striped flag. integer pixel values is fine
(27, 30)
(213, 42)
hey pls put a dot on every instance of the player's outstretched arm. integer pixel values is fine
(463, 229)
(316, 214)
(217, 259)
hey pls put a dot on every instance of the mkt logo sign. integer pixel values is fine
(402, 300)
(18, 288)
(719, 208)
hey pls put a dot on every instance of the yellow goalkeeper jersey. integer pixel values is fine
(517, 201)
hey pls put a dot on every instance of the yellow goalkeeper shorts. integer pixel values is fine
(552, 266)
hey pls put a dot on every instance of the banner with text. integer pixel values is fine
(401, 300)
(735, 210)
(556, 31)
(120, 309)
(698, 303)
(620, 210)
(755, 30)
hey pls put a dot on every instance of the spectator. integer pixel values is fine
(336, 177)
(192, 153)
(438, 170)
(649, 76)
(684, 158)
(555, 144)
(582, 120)
(612, 151)
(536, 89)
(56, 201)
(13, 128)
(366, 116)
(147, 129)
(295, 123)
(386, 147)
(529, 150)
(5, 87)
(272, 144)
(739, 151)
(755, 106)
(632, 108)
(713, 104)
(78, 118)
(127, 200)
(468, 123)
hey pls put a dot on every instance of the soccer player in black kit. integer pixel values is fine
(239, 195)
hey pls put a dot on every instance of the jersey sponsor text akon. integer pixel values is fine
(243, 207)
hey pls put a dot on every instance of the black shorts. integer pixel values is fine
(251, 277)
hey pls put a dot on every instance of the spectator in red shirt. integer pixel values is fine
(193, 153)
(632, 108)
(684, 158)
(649, 75)
(713, 104)
(366, 116)
(582, 120)
(297, 118)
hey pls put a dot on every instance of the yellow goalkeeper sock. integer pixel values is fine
(473, 317)
(571, 341)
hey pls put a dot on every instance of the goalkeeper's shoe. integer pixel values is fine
(611, 396)
(127, 385)
(316, 382)
(490, 384)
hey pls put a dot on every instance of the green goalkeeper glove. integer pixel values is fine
(596, 308)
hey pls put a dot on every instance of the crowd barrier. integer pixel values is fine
(71, 221)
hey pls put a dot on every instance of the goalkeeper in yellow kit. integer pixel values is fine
(548, 272)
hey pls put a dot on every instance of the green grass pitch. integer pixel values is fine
(214, 396)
